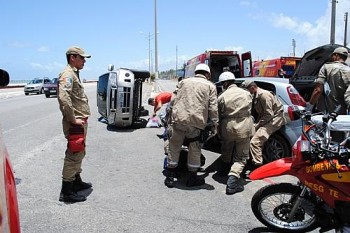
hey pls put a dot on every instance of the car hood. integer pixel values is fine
(33, 85)
(312, 61)
(50, 85)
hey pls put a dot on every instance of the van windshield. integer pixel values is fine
(35, 81)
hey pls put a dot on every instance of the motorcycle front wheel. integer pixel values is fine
(272, 204)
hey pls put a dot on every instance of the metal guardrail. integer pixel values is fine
(22, 83)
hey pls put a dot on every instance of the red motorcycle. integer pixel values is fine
(321, 197)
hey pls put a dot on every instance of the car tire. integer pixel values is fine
(26, 93)
(47, 95)
(41, 91)
(275, 147)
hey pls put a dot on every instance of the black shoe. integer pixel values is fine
(160, 136)
(233, 185)
(201, 169)
(79, 184)
(71, 197)
(194, 180)
(68, 194)
(170, 177)
(169, 182)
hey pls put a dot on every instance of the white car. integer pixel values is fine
(36, 86)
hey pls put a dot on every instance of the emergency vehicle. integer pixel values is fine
(220, 61)
(269, 68)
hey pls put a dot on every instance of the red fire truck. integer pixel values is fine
(220, 61)
(269, 68)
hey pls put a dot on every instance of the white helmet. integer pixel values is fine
(203, 67)
(226, 76)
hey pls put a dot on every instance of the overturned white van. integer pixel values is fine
(119, 96)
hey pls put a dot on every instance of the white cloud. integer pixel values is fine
(247, 3)
(43, 49)
(47, 67)
(17, 44)
(318, 32)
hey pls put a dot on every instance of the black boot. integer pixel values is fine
(170, 177)
(233, 185)
(79, 184)
(194, 180)
(224, 168)
(68, 194)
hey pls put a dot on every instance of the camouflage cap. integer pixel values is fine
(247, 83)
(341, 50)
(77, 50)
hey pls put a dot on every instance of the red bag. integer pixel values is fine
(76, 142)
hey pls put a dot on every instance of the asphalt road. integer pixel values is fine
(125, 167)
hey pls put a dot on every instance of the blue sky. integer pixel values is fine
(36, 34)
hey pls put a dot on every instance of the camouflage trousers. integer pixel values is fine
(72, 161)
(257, 142)
(237, 152)
(176, 135)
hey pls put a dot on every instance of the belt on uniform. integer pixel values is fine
(237, 117)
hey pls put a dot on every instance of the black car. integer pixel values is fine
(51, 88)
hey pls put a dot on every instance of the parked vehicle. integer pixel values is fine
(219, 61)
(51, 88)
(9, 214)
(119, 96)
(309, 66)
(321, 197)
(280, 143)
(36, 86)
(270, 67)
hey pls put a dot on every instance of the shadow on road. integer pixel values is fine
(182, 177)
(261, 229)
(139, 124)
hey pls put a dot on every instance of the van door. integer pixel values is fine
(247, 64)
(102, 94)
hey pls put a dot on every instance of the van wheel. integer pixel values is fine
(275, 147)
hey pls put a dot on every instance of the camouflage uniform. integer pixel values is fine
(73, 104)
(270, 119)
(235, 127)
(194, 102)
(337, 75)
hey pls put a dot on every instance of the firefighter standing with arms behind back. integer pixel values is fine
(75, 109)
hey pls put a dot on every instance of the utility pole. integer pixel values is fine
(334, 3)
(155, 40)
(176, 63)
(293, 44)
(149, 52)
(346, 28)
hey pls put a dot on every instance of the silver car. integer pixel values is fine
(36, 86)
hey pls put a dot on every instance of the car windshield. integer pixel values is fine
(54, 81)
(35, 81)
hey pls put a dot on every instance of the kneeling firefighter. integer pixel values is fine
(194, 103)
